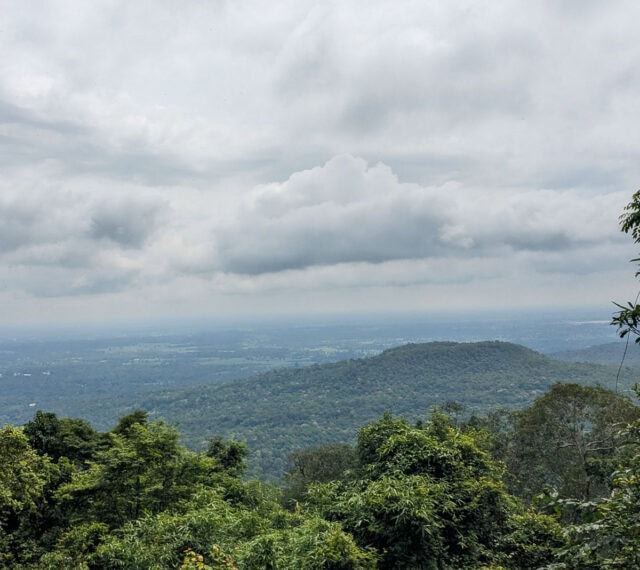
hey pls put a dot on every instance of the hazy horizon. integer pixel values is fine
(505, 324)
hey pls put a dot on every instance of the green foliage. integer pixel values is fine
(428, 497)
(630, 219)
(218, 560)
(373, 436)
(144, 470)
(160, 541)
(313, 545)
(74, 439)
(144, 501)
(250, 536)
(568, 440)
(609, 535)
(532, 540)
(398, 516)
(627, 320)
(321, 464)
(493, 432)
(321, 545)
(126, 423)
(75, 547)
(23, 474)
(231, 455)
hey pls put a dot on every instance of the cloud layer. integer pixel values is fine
(172, 157)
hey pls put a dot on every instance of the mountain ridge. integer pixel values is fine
(607, 353)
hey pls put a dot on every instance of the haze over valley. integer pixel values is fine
(189, 377)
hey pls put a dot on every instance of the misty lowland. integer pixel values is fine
(281, 388)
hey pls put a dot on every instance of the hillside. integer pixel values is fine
(280, 411)
(609, 353)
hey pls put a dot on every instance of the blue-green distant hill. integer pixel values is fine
(610, 353)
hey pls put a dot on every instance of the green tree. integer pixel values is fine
(144, 470)
(230, 455)
(23, 479)
(609, 535)
(321, 464)
(427, 497)
(23, 473)
(215, 532)
(75, 547)
(628, 318)
(532, 540)
(126, 423)
(567, 439)
(74, 439)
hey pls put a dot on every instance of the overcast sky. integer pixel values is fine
(212, 157)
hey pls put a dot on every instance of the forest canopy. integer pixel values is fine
(486, 492)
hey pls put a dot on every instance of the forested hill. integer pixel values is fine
(280, 411)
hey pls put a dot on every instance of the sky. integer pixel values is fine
(218, 158)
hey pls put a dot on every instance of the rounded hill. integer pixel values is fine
(283, 410)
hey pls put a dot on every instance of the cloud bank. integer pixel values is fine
(349, 212)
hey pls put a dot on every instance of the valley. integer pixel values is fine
(281, 388)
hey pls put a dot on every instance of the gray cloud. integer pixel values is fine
(342, 212)
(347, 211)
(28, 137)
(461, 84)
(71, 241)
(18, 226)
(48, 215)
(127, 223)
(209, 154)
